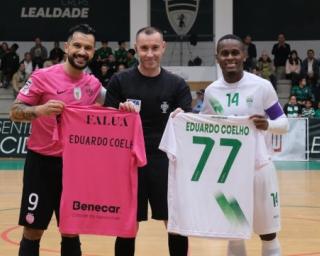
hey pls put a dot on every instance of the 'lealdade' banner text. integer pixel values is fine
(51, 20)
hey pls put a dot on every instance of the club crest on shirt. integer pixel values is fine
(164, 107)
(89, 91)
(77, 93)
(30, 218)
(249, 101)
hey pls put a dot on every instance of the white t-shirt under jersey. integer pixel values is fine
(250, 95)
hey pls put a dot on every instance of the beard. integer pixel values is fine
(71, 60)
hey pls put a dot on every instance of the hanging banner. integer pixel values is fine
(182, 15)
(183, 19)
(51, 20)
(13, 138)
(293, 145)
(314, 138)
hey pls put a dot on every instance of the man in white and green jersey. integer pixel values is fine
(238, 93)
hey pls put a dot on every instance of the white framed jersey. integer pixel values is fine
(211, 170)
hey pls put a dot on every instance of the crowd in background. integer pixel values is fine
(286, 64)
(15, 72)
(303, 74)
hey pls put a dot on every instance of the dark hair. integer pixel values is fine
(296, 60)
(82, 28)
(310, 50)
(310, 100)
(300, 77)
(15, 46)
(200, 92)
(229, 36)
(149, 31)
(132, 51)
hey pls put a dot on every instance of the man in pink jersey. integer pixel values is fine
(41, 99)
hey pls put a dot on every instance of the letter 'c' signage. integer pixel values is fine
(13, 138)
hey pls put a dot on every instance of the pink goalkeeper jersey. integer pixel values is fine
(102, 149)
(54, 83)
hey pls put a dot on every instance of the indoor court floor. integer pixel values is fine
(300, 209)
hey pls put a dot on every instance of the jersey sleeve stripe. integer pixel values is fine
(274, 111)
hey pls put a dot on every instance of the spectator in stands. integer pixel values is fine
(121, 67)
(94, 66)
(103, 53)
(280, 51)
(317, 113)
(266, 69)
(19, 79)
(104, 75)
(56, 54)
(9, 64)
(310, 68)
(112, 63)
(293, 67)
(301, 91)
(308, 110)
(132, 60)
(38, 53)
(251, 52)
(3, 50)
(199, 101)
(27, 61)
(292, 108)
(121, 53)
(48, 63)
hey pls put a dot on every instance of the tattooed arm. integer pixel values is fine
(20, 111)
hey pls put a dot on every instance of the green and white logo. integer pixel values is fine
(249, 101)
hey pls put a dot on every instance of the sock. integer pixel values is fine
(271, 248)
(70, 246)
(29, 247)
(124, 246)
(236, 248)
(178, 245)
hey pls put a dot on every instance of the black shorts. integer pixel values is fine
(42, 185)
(153, 188)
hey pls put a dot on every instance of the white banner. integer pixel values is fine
(293, 145)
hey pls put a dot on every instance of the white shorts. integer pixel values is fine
(266, 215)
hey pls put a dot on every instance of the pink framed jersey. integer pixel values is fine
(102, 150)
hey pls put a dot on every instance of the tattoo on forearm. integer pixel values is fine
(22, 112)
